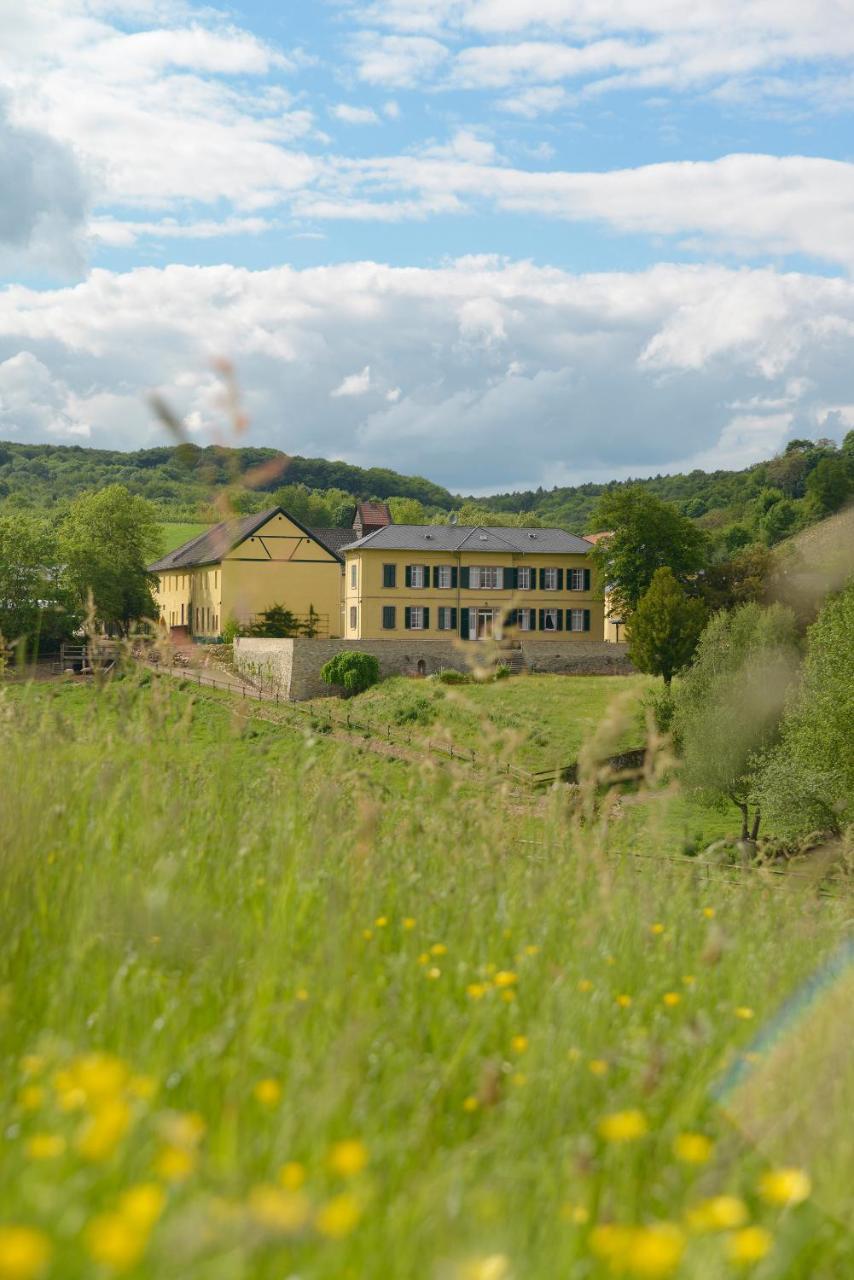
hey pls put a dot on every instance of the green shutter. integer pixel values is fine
(464, 581)
(587, 616)
(464, 623)
(407, 617)
(542, 582)
(426, 616)
(586, 579)
(542, 620)
(453, 620)
(569, 619)
(408, 578)
(560, 619)
(560, 580)
(514, 579)
(532, 619)
(454, 576)
(435, 575)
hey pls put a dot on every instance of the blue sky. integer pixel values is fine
(496, 242)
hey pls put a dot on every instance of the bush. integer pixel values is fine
(231, 630)
(353, 671)
(419, 711)
(502, 671)
(449, 676)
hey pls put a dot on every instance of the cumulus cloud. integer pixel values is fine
(483, 374)
(43, 199)
(349, 114)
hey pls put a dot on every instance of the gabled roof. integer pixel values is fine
(374, 513)
(211, 546)
(455, 537)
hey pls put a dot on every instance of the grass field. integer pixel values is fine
(270, 1007)
(175, 534)
(535, 722)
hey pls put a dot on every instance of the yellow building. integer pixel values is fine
(240, 568)
(613, 622)
(473, 583)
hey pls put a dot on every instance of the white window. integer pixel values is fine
(525, 619)
(354, 575)
(576, 579)
(418, 575)
(416, 618)
(576, 619)
(443, 575)
(446, 619)
(524, 579)
(354, 617)
(550, 579)
(550, 619)
(486, 578)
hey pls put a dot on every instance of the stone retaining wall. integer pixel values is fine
(292, 667)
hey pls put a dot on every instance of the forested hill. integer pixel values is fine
(767, 501)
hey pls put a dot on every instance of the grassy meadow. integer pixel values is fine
(274, 1006)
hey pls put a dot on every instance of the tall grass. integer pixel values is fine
(228, 951)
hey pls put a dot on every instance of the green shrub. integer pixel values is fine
(231, 630)
(502, 671)
(449, 676)
(352, 670)
(419, 710)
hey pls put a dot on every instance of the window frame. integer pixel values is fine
(579, 613)
(423, 571)
(354, 617)
(529, 574)
(573, 573)
(549, 571)
(444, 570)
(553, 613)
(419, 625)
(389, 611)
(354, 575)
(527, 615)
(390, 571)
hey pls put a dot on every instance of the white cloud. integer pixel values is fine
(355, 115)
(120, 233)
(511, 373)
(530, 103)
(397, 60)
(355, 384)
(466, 145)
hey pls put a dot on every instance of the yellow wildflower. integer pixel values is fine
(519, 1044)
(278, 1209)
(338, 1217)
(785, 1186)
(184, 1128)
(367, 934)
(519, 1079)
(114, 1242)
(493, 1266)
(476, 990)
(424, 958)
(505, 978)
(612, 1242)
(656, 928)
(692, 1148)
(69, 1095)
(409, 922)
(585, 985)
(508, 995)
(433, 972)
(671, 998)
(744, 1013)
(348, 1157)
(470, 1103)
(656, 1250)
(532, 951)
(31, 1097)
(45, 1146)
(597, 1067)
(718, 1213)
(24, 1253)
(141, 1205)
(174, 1164)
(709, 913)
(104, 1130)
(438, 949)
(268, 1092)
(301, 994)
(749, 1245)
(689, 980)
(381, 922)
(623, 1126)
(624, 1001)
(101, 1076)
(292, 1175)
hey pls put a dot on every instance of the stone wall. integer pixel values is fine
(292, 667)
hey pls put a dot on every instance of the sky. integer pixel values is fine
(499, 243)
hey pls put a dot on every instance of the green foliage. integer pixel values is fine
(418, 710)
(828, 485)
(807, 779)
(664, 629)
(450, 676)
(352, 670)
(35, 606)
(311, 624)
(407, 511)
(231, 630)
(730, 703)
(277, 622)
(741, 579)
(107, 540)
(778, 520)
(645, 534)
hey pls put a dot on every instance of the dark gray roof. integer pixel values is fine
(211, 546)
(455, 537)
(333, 539)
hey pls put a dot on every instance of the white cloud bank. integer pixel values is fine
(506, 373)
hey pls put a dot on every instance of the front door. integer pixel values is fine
(484, 623)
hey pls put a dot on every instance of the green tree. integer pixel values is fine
(738, 580)
(645, 534)
(352, 670)
(664, 629)
(778, 520)
(807, 780)
(407, 511)
(107, 540)
(277, 622)
(34, 598)
(828, 485)
(729, 704)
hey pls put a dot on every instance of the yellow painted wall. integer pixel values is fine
(279, 564)
(366, 594)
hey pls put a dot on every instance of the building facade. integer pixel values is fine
(240, 568)
(475, 584)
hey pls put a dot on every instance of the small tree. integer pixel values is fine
(310, 626)
(277, 622)
(665, 627)
(352, 670)
(730, 703)
(107, 541)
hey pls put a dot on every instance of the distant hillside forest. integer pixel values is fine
(764, 503)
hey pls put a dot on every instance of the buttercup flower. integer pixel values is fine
(749, 1245)
(292, 1175)
(623, 1126)
(338, 1217)
(348, 1158)
(785, 1186)
(268, 1092)
(718, 1213)
(493, 1266)
(505, 978)
(278, 1209)
(519, 1044)
(692, 1148)
(24, 1252)
(671, 998)
(44, 1146)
